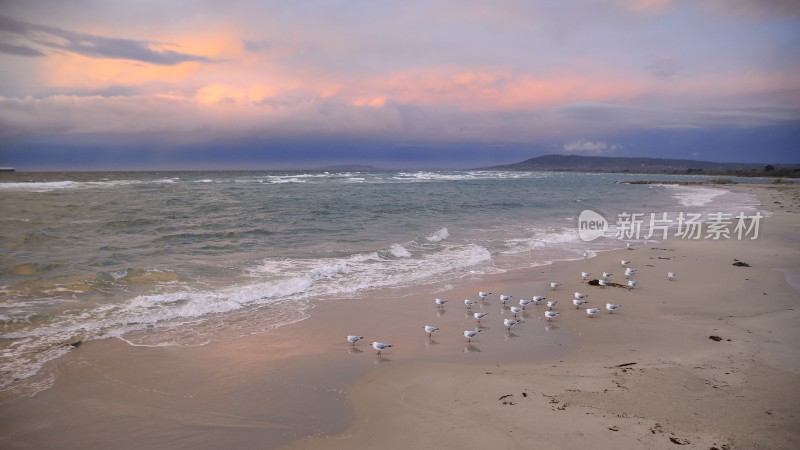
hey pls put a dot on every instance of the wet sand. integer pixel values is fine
(647, 376)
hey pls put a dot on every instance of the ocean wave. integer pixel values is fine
(439, 235)
(694, 196)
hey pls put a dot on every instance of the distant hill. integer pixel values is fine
(577, 163)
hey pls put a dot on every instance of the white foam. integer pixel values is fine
(694, 196)
(439, 235)
(399, 251)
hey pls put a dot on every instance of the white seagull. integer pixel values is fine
(632, 283)
(585, 254)
(578, 303)
(480, 315)
(554, 285)
(354, 339)
(430, 330)
(524, 302)
(516, 310)
(469, 334)
(672, 275)
(380, 346)
(586, 275)
(602, 283)
(630, 272)
(552, 303)
(611, 307)
(440, 303)
(624, 262)
(607, 275)
(483, 295)
(580, 296)
(509, 323)
(550, 314)
(538, 299)
(629, 245)
(592, 311)
(468, 303)
(504, 298)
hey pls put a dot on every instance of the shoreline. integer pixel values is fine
(660, 379)
(272, 389)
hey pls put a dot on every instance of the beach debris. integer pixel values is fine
(715, 338)
(614, 428)
(678, 441)
(603, 283)
(740, 263)
(626, 364)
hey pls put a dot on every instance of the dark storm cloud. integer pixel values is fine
(84, 44)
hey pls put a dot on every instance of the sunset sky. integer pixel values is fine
(91, 84)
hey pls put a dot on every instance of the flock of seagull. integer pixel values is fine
(579, 300)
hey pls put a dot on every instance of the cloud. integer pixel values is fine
(19, 50)
(665, 67)
(591, 147)
(86, 44)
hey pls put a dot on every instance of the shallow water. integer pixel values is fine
(187, 258)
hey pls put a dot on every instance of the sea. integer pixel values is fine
(190, 258)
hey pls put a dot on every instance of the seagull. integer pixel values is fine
(524, 302)
(592, 311)
(554, 285)
(672, 275)
(440, 303)
(505, 298)
(354, 339)
(624, 262)
(430, 330)
(552, 303)
(469, 334)
(586, 254)
(602, 283)
(611, 307)
(483, 295)
(550, 314)
(538, 299)
(586, 275)
(480, 315)
(629, 245)
(509, 323)
(580, 296)
(578, 303)
(629, 272)
(468, 303)
(607, 274)
(380, 346)
(516, 310)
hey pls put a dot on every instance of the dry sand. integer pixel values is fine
(565, 384)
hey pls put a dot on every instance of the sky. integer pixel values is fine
(247, 84)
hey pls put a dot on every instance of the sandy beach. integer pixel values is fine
(708, 360)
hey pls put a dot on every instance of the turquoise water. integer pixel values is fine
(185, 258)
